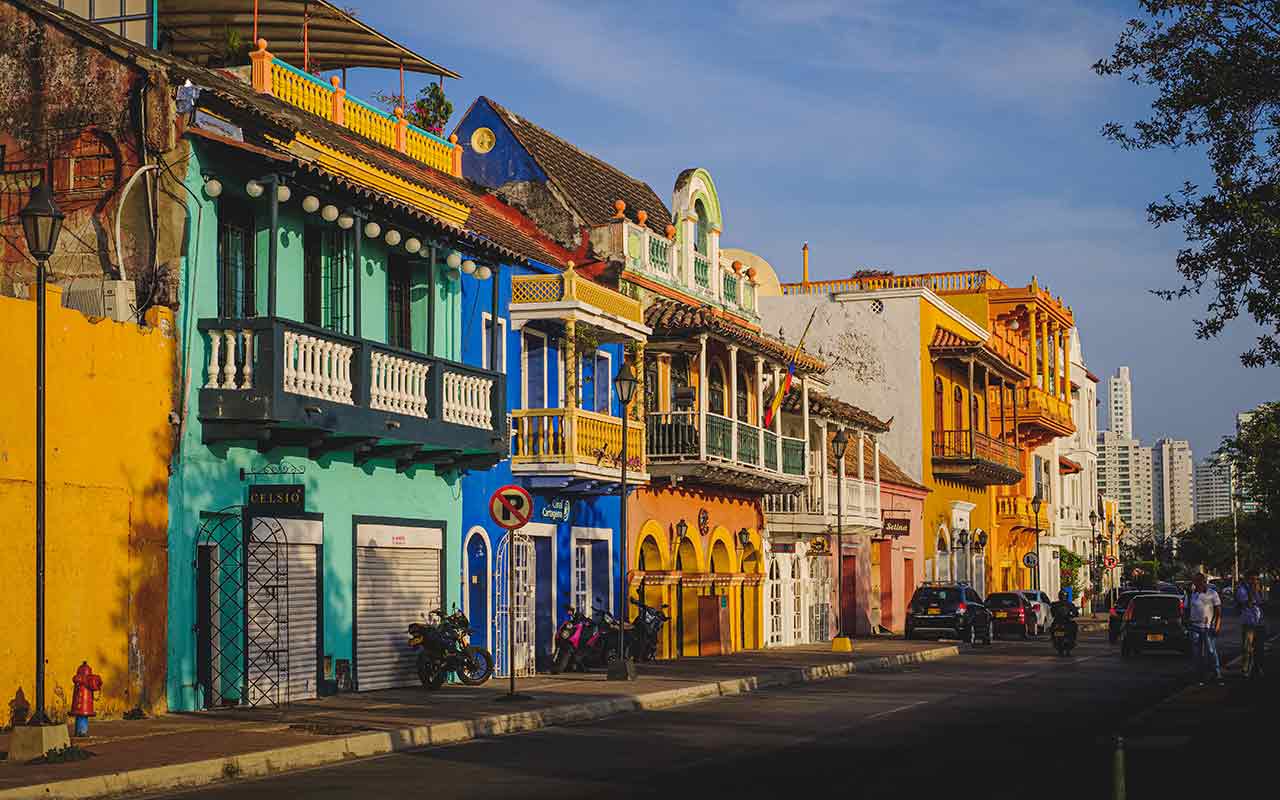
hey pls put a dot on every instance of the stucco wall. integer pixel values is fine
(109, 393)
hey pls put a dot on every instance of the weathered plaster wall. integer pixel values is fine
(109, 394)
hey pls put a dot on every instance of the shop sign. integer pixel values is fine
(895, 526)
(819, 547)
(787, 547)
(556, 510)
(267, 499)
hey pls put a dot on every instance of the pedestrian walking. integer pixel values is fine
(1206, 622)
(1253, 625)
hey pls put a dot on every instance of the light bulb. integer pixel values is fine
(346, 221)
(253, 189)
(393, 237)
(412, 245)
(329, 213)
(311, 204)
(213, 188)
(283, 194)
(372, 229)
(454, 260)
(483, 272)
(453, 274)
(468, 267)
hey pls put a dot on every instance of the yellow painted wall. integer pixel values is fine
(109, 394)
(937, 505)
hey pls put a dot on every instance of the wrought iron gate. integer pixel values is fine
(819, 597)
(526, 662)
(242, 613)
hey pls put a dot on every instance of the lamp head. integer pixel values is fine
(42, 221)
(840, 443)
(625, 383)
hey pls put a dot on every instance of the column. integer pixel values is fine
(972, 428)
(822, 468)
(759, 420)
(1044, 345)
(702, 395)
(862, 472)
(638, 404)
(777, 421)
(804, 416)
(733, 398)
(876, 454)
(569, 390)
(1032, 323)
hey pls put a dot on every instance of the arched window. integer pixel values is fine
(974, 419)
(715, 389)
(957, 398)
(743, 394)
(704, 227)
(938, 423)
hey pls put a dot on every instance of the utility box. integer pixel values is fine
(96, 297)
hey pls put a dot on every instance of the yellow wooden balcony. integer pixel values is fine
(1016, 513)
(585, 444)
(330, 101)
(1042, 417)
(566, 296)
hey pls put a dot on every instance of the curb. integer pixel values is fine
(333, 751)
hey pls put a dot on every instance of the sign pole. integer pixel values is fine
(511, 507)
(511, 607)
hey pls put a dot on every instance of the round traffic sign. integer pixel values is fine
(511, 507)
(1110, 561)
(1030, 560)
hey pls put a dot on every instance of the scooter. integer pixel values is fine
(444, 646)
(578, 642)
(1063, 636)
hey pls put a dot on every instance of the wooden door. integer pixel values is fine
(709, 631)
(849, 594)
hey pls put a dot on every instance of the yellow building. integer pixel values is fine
(110, 386)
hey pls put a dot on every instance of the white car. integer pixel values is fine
(1041, 602)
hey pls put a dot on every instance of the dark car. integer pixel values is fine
(1012, 612)
(949, 609)
(1153, 621)
(1115, 620)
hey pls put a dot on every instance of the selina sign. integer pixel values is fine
(278, 498)
(895, 526)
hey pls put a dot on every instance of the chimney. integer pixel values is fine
(805, 250)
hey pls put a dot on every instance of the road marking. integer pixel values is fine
(1013, 678)
(896, 710)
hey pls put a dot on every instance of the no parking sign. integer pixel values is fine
(511, 507)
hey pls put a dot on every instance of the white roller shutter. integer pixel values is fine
(292, 640)
(398, 580)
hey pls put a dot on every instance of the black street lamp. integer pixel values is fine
(624, 383)
(41, 225)
(838, 446)
(1035, 507)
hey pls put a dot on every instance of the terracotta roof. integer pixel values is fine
(828, 407)
(943, 338)
(674, 319)
(890, 472)
(1068, 467)
(1092, 377)
(589, 184)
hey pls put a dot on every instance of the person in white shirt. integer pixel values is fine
(1205, 617)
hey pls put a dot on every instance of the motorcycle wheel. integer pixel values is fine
(431, 675)
(561, 661)
(477, 667)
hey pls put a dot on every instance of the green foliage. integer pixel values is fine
(1215, 69)
(1069, 565)
(1141, 573)
(1255, 452)
(430, 110)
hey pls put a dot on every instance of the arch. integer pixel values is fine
(648, 556)
(702, 228)
(655, 532)
(479, 536)
(957, 402)
(750, 561)
(939, 424)
(690, 555)
(720, 551)
(745, 398)
(695, 184)
(717, 381)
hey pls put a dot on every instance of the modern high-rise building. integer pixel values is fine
(1213, 488)
(1124, 473)
(1247, 505)
(1172, 494)
(1121, 403)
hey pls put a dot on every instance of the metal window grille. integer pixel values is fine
(236, 268)
(582, 576)
(336, 301)
(399, 318)
(128, 18)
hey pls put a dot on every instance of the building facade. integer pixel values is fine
(1124, 473)
(1172, 486)
(1120, 403)
(1214, 484)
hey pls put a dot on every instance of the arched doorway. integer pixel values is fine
(775, 602)
(478, 596)
(749, 600)
(686, 616)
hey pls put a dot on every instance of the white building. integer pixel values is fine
(1213, 489)
(1120, 403)
(1077, 460)
(1124, 473)
(1172, 476)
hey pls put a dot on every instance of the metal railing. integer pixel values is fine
(967, 445)
(941, 282)
(701, 272)
(677, 435)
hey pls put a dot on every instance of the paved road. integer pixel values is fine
(975, 726)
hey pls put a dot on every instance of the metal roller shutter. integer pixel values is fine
(296, 641)
(395, 585)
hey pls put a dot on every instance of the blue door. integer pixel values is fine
(478, 589)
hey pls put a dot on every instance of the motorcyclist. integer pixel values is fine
(1064, 613)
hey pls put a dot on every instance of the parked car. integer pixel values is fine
(1041, 602)
(1115, 620)
(1012, 613)
(949, 609)
(1153, 621)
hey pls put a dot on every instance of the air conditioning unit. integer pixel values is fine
(97, 297)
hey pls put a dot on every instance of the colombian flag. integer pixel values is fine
(791, 372)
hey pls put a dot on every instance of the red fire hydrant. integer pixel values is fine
(86, 684)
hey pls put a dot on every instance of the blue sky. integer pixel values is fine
(916, 136)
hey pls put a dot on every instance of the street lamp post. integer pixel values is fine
(1035, 507)
(624, 383)
(41, 225)
(1111, 529)
(1095, 572)
(842, 642)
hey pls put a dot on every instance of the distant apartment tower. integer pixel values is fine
(1124, 473)
(1247, 506)
(1172, 481)
(1213, 489)
(1121, 408)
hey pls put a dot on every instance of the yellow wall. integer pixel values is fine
(109, 395)
(937, 506)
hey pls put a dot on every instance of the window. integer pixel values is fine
(678, 380)
(128, 18)
(973, 413)
(700, 242)
(535, 370)
(326, 267)
(236, 275)
(742, 399)
(399, 316)
(957, 398)
(582, 576)
(715, 389)
(596, 377)
(938, 423)
(485, 333)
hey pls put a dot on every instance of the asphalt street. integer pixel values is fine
(1012, 720)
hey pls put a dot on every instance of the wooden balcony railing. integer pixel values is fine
(278, 373)
(941, 282)
(677, 436)
(574, 437)
(972, 445)
(569, 287)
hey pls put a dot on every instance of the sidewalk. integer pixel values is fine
(182, 750)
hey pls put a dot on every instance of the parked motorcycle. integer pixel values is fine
(579, 642)
(1063, 635)
(642, 644)
(444, 646)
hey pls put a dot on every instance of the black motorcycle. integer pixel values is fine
(444, 646)
(642, 644)
(1064, 629)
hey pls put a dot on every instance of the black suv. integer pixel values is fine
(949, 609)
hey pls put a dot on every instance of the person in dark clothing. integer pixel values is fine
(1065, 612)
